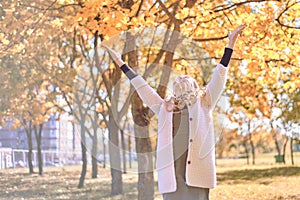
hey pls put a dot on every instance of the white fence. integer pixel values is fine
(5, 158)
(12, 158)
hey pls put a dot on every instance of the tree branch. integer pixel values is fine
(225, 7)
(280, 15)
(209, 39)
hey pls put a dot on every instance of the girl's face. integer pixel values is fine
(184, 86)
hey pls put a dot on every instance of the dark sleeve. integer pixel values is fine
(226, 57)
(128, 71)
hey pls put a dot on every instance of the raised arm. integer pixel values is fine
(148, 95)
(234, 35)
(218, 80)
(116, 57)
(229, 49)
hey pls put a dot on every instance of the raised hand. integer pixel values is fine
(234, 35)
(114, 55)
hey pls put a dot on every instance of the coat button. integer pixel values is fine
(191, 119)
(189, 162)
(191, 140)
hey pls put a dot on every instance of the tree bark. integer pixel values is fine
(123, 151)
(30, 149)
(274, 135)
(145, 163)
(94, 137)
(94, 155)
(84, 157)
(38, 137)
(73, 141)
(143, 144)
(110, 79)
(284, 148)
(129, 151)
(252, 149)
(28, 130)
(292, 152)
(114, 157)
(246, 150)
(141, 114)
(104, 151)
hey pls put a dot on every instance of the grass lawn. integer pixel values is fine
(236, 180)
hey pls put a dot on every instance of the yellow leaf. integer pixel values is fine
(5, 41)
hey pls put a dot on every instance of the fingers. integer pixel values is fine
(237, 31)
(234, 35)
(242, 27)
(239, 28)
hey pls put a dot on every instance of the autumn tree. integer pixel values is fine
(289, 118)
(48, 36)
(30, 34)
(269, 62)
(206, 23)
(29, 103)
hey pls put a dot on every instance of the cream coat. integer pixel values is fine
(200, 167)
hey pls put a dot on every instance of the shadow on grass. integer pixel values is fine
(255, 174)
(96, 191)
(90, 191)
(59, 186)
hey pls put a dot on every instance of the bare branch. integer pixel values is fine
(50, 8)
(209, 39)
(227, 7)
(281, 14)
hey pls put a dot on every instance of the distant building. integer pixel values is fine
(60, 142)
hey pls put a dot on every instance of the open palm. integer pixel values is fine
(236, 32)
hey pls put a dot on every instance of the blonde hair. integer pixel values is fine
(185, 91)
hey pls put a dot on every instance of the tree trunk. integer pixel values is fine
(114, 150)
(276, 144)
(94, 156)
(84, 158)
(284, 148)
(30, 149)
(145, 163)
(28, 131)
(141, 119)
(40, 158)
(129, 151)
(141, 114)
(123, 152)
(73, 141)
(104, 152)
(252, 149)
(292, 152)
(143, 149)
(38, 136)
(246, 150)
(114, 157)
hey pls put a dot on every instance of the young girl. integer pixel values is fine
(185, 147)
